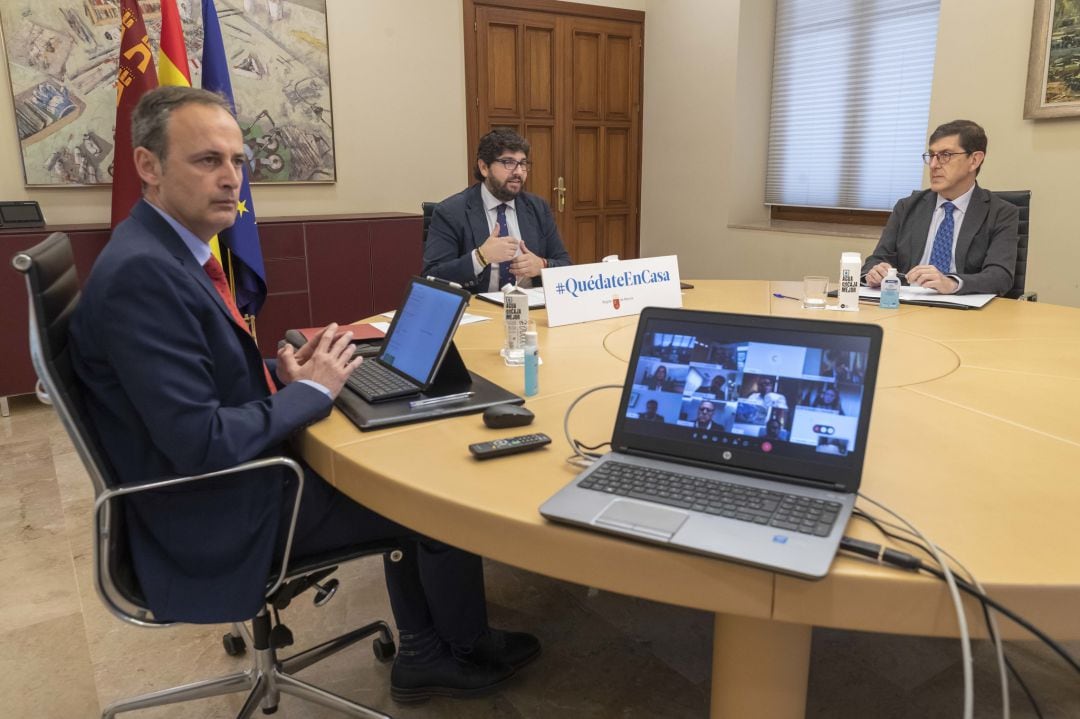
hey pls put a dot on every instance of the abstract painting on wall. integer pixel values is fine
(62, 58)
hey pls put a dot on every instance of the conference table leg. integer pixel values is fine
(760, 668)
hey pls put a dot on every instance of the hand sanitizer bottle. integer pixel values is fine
(890, 291)
(532, 365)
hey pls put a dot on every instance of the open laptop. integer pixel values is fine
(415, 345)
(768, 477)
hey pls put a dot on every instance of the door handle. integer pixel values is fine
(561, 189)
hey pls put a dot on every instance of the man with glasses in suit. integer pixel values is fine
(956, 237)
(494, 232)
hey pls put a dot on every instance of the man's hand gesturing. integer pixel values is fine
(322, 359)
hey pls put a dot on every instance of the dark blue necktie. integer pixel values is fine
(941, 252)
(504, 231)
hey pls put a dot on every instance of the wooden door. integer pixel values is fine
(568, 78)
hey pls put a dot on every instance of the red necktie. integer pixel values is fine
(217, 276)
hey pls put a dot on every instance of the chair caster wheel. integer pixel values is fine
(384, 651)
(234, 646)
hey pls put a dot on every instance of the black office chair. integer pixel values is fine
(426, 208)
(1022, 199)
(53, 289)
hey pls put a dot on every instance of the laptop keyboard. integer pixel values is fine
(735, 501)
(376, 383)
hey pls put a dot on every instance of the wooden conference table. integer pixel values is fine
(974, 438)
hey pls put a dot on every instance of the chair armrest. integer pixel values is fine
(1029, 297)
(103, 499)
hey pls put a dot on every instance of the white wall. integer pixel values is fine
(706, 90)
(399, 115)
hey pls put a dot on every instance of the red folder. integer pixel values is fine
(361, 332)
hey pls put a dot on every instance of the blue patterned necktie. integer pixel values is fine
(941, 252)
(504, 231)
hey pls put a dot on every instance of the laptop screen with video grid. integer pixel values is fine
(783, 397)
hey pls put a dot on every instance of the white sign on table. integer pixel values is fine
(580, 293)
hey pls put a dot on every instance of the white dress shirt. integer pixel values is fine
(961, 204)
(491, 210)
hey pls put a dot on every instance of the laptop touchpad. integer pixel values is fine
(659, 522)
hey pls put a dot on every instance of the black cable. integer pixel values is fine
(580, 448)
(1019, 680)
(582, 445)
(908, 561)
(986, 610)
(1058, 649)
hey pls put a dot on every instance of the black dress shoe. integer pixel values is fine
(446, 676)
(497, 645)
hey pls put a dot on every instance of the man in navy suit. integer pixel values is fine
(494, 232)
(175, 385)
(956, 237)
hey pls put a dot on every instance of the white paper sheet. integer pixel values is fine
(925, 295)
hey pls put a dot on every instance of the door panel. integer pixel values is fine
(586, 76)
(539, 71)
(616, 159)
(586, 160)
(618, 71)
(585, 230)
(541, 180)
(615, 236)
(502, 82)
(568, 77)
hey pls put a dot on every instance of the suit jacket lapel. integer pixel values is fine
(172, 243)
(476, 220)
(973, 220)
(921, 217)
(525, 222)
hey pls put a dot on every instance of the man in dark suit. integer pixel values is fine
(705, 412)
(175, 385)
(651, 414)
(494, 232)
(956, 237)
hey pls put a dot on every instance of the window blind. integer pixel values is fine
(850, 101)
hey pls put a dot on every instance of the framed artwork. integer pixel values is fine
(62, 56)
(1053, 84)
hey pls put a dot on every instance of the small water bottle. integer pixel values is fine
(890, 291)
(516, 317)
(532, 365)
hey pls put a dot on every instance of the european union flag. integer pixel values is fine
(242, 239)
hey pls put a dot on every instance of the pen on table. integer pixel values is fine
(785, 297)
(442, 281)
(445, 399)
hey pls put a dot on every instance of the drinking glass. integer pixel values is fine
(815, 290)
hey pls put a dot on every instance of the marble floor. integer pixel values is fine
(605, 655)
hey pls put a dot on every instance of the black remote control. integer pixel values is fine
(509, 445)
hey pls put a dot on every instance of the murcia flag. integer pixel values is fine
(134, 76)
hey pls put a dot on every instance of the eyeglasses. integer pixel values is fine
(511, 164)
(942, 157)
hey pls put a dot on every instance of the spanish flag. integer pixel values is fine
(173, 70)
(135, 74)
(172, 67)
